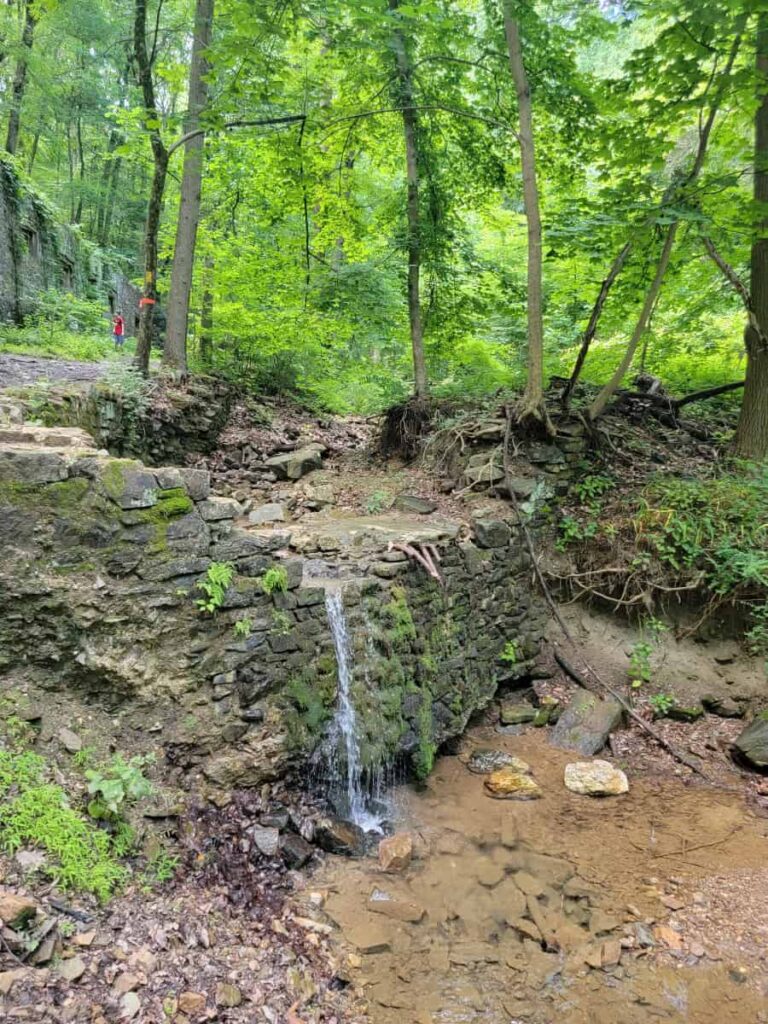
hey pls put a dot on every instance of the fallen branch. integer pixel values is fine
(579, 678)
(699, 396)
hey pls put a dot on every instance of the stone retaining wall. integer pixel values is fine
(98, 588)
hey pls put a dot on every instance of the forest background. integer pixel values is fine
(340, 150)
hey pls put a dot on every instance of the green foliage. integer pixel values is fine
(376, 502)
(117, 784)
(397, 615)
(592, 486)
(661, 703)
(510, 653)
(640, 667)
(424, 758)
(242, 628)
(573, 531)
(37, 813)
(281, 622)
(214, 584)
(275, 579)
(714, 528)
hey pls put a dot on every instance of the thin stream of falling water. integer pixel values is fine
(345, 722)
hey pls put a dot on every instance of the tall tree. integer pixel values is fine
(19, 85)
(175, 349)
(678, 194)
(531, 409)
(752, 431)
(405, 99)
(152, 123)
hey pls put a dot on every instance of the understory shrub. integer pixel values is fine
(35, 812)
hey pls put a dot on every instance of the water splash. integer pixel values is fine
(345, 722)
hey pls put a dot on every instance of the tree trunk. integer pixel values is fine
(676, 191)
(411, 133)
(591, 329)
(531, 408)
(155, 208)
(175, 354)
(751, 440)
(81, 160)
(20, 80)
(206, 313)
(651, 296)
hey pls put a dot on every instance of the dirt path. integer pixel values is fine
(17, 371)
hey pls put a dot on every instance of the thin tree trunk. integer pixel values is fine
(705, 130)
(20, 79)
(33, 152)
(531, 408)
(155, 207)
(81, 160)
(591, 329)
(175, 354)
(206, 313)
(751, 441)
(109, 207)
(411, 133)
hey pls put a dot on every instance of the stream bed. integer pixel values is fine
(648, 906)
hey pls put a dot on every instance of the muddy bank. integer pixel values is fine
(646, 906)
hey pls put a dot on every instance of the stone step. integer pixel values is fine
(45, 437)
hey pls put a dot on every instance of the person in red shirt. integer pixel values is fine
(118, 331)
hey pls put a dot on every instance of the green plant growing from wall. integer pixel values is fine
(214, 585)
(424, 758)
(242, 628)
(275, 579)
(510, 653)
(281, 622)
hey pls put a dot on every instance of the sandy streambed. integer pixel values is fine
(650, 906)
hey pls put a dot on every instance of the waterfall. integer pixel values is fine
(345, 721)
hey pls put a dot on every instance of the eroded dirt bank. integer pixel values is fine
(654, 905)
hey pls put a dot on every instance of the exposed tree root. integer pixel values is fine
(405, 427)
(589, 671)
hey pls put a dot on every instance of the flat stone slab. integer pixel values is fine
(46, 437)
(372, 532)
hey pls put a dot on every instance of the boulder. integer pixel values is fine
(723, 707)
(586, 723)
(295, 850)
(26, 466)
(70, 740)
(16, 911)
(507, 784)
(128, 483)
(343, 837)
(72, 969)
(750, 746)
(595, 778)
(270, 513)
(413, 503)
(483, 761)
(516, 714)
(522, 487)
(266, 840)
(491, 533)
(395, 852)
(215, 509)
(294, 465)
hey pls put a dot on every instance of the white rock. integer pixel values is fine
(595, 778)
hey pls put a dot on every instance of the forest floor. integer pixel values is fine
(236, 940)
